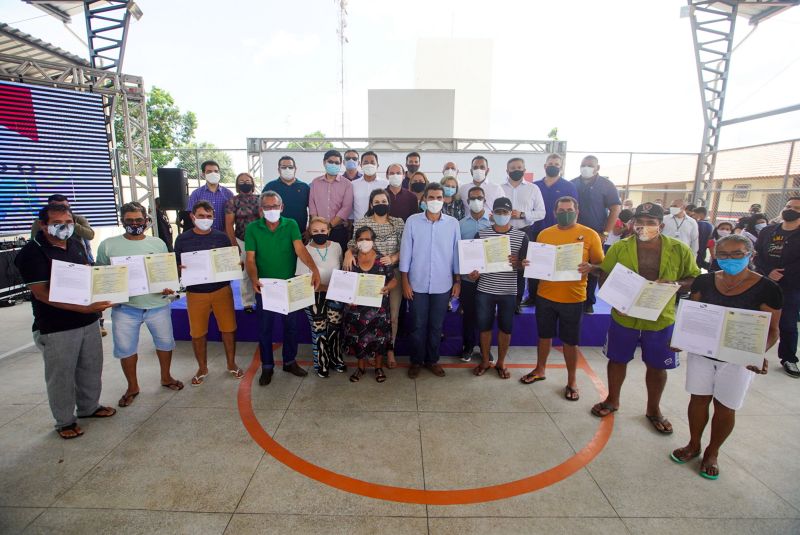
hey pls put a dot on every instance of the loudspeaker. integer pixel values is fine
(173, 188)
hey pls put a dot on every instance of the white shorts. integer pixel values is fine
(727, 382)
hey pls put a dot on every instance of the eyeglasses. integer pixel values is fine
(265, 208)
(476, 198)
(134, 221)
(351, 158)
(735, 254)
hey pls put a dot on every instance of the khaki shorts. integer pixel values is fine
(201, 305)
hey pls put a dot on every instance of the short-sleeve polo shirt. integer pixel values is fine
(274, 249)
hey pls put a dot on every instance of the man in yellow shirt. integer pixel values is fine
(559, 304)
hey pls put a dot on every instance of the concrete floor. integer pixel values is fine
(182, 462)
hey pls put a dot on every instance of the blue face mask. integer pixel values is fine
(733, 266)
(423, 206)
(449, 191)
(502, 220)
(760, 227)
(332, 168)
(350, 165)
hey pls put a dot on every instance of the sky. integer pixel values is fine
(612, 76)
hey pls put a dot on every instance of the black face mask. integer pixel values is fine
(516, 175)
(245, 188)
(418, 187)
(319, 239)
(552, 171)
(380, 209)
(790, 215)
(412, 168)
(136, 230)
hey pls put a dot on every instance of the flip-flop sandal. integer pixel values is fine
(380, 376)
(74, 428)
(127, 399)
(480, 370)
(97, 413)
(571, 394)
(197, 380)
(684, 460)
(655, 420)
(706, 475)
(531, 378)
(237, 373)
(603, 406)
(502, 373)
(356, 377)
(174, 385)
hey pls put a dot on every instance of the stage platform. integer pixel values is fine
(525, 333)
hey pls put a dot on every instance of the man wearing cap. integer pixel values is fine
(656, 257)
(496, 295)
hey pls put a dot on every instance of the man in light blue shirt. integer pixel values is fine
(476, 220)
(429, 270)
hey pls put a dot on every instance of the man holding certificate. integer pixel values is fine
(559, 303)
(151, 309)
(273, 245)
(662, 259)
(68, 335)
(429, 270)
(204, 298)
(722, 379)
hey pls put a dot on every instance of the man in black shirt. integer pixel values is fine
(203, 299)
(67, 335)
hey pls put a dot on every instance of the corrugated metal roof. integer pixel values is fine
(14, 42)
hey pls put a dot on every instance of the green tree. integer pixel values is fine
(311, 144)
(553, 134)
(190, 158)
(168, 128)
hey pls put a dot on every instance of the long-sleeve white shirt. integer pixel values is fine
(526, 198)
(683, 229)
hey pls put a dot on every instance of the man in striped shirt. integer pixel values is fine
(211, 192)
(496, 294)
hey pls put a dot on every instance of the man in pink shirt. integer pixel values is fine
(331, 197)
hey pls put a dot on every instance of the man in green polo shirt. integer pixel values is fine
(273, 245)
(655, 257)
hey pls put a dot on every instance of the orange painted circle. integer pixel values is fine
(421, 496)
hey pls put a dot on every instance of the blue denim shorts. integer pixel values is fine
(127, 321)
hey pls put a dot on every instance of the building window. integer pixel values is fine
(741, 192)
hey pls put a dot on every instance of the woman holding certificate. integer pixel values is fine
(388, 233)
(324, 316)
(726, 383)
(367, 330)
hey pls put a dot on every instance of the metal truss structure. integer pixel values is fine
(255, 146)
(128, 89)
(713, 23)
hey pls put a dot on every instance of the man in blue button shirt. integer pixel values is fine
(600, 205)
(293, 192)
(429, 270)
(470, 225)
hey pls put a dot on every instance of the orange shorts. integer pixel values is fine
(201, 305)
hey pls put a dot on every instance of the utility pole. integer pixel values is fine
(342, 41)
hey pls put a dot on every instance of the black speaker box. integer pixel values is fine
(173, 188)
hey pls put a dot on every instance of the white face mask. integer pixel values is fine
(272, 216)
(475, 205)
(434, 207)
(369, 169)
(396, 180)
(479, 175)
(212, 178)
(587, 172)
(203, 224)
(287, 174)
(723, 233)
(365, 246)
(674, 210)
(450, 173)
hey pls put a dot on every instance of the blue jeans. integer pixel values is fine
(265, 336)
(787, 347)
(126, 321)
(427, 316)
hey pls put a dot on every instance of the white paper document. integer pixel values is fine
(79, 284)
(554, 262)
(356, 288)
(149, 274)
(635, 296)
(285, 296)
(734, 335)
(489, 255)
(212, 265)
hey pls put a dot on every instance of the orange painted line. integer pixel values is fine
(421, 496)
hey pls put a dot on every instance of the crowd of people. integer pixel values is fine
(406, 227)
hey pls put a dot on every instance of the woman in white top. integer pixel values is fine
(325, 317)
